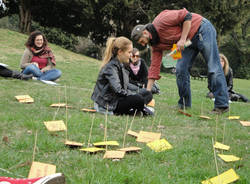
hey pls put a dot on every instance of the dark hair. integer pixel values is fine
(31, 40)
(135, 50)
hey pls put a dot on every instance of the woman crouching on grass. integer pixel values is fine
(38, 58)
(111, 93)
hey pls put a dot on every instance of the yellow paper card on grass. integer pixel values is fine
(160, 145)
(204, 117)
(88, 110)
(132, 133)
(218, 145)
(233, 117)
(229, 158)
(58, 105)
(224, 178)
(245, 123)
(114, 154)
(130, 149)
(39, 169)
(106, 143)
(151, 103)
(54, 126)
(92, 149)
(73, 143)
(24, 99)
(148, 136)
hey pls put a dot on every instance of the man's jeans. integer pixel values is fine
(204, 41)
(49, 75)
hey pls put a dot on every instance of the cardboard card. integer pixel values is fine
(151, 103)
(88, 110)
(39, 169)
(245, 123)
(114, 154)
(204, 117)
(132, 133)
(186, 114)
(233, 117)
(160, 145)
(60, 105)
(229, 158)
(106, 143)
(73, 144)
(224, 178)
(92, 149)
(54, 126)
(218, 145)
(24, 99)
(130, 149)
(148, 136)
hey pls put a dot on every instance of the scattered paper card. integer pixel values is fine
(106, 143)
(132, 133)
(39, 169)
(49, 82)
(130, 149)
(229, 158)
(224, 178)
(160, 145)
(114, 154)
(92, 149)
(24, 99)
(204, 117)
(73, 144)
(245, 123)
(234, 117)
(148, 136)
(151, 103)
(186, 114)
(218, 145)
(88, 110)
(54, 126)
(60, 105)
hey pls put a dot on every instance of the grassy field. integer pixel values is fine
(190, 161)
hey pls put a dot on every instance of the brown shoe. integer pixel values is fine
(220, 110)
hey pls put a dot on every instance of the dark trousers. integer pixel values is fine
(128, 104)
(5, 72)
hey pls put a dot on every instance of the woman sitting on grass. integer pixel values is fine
(111, 93)
(228, 72)
(38, 58)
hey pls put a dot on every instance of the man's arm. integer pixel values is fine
(185, 31)
(150, 84)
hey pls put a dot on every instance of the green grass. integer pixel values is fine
(190, 161)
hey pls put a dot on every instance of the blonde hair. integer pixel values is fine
(112, 46)
(226, 64)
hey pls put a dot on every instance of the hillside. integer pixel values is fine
(190, 161)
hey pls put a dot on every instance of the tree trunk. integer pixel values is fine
(24, 16)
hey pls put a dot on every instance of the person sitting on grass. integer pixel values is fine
(138, 72)
(38, 58)
(228, 72)
(6, 72)
(111, 93)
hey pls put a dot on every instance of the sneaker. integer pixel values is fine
(57, 178)
(34, 78)
(147, 112)
(220, 110)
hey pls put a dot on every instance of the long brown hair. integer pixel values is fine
(226, 64)
(112, 46)
(31, 40)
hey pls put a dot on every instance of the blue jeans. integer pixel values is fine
(204, 41)
(49, 75)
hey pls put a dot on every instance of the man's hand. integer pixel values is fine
(181, 44)
(36, 64)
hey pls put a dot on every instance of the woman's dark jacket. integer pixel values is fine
(112, 83)
(141, 77)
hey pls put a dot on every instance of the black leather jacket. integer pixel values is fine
(112, 83)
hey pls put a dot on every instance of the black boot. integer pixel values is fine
(21, 76)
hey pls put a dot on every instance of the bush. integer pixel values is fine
(57, 36)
